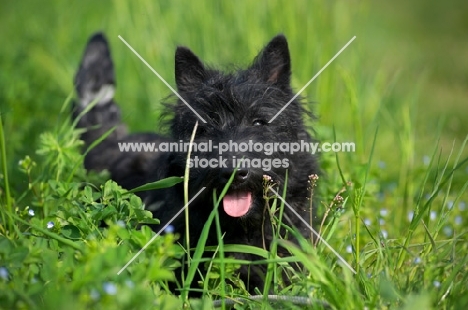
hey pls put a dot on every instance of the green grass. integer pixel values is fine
(399, 92)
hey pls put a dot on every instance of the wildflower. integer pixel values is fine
(448, 231)
(110, 288)
(381, 221)
(384, 234)
(383, 212)
(450, 205)
(120, 223)
(31, 212)
(349, 249)
(50, 225)
(426, 160)
(462, 206)
(436, 283)
(129, 283)
(458, 220)
(410, 215)
(338, 199)
(417, 260)
(169, 229)
(94, 294)
(433, 215)
(3, 273)
(367, 222)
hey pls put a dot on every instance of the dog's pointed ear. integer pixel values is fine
(95, 79)
(274, 63)
(189, 70)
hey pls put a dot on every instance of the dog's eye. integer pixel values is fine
(258, 122)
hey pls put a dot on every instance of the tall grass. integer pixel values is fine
(395, 209)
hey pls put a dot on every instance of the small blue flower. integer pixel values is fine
(436, 283)
(426, 160)
(382, 164)
(3, 273)
(417, 260)
(110, 288)
(410, 215)
(31, 212)
(383, 212)
(458, 220)
(433, 215)
(94, 294)
(129, 283)
(50, 225)
(462, 206)
(381, 221)
(169, 229)
(349, 249)
(367, 222)
(448, 231)
(450, 205)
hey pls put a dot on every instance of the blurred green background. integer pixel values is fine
(406, 73)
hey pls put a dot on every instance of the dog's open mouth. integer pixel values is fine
(237, 204)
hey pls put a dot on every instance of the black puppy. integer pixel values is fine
(233, 111)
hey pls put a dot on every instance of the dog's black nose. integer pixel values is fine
(240, 176)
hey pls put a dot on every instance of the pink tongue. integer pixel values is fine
(237, 204)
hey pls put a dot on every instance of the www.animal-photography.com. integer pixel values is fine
(233, 155)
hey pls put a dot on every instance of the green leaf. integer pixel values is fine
(164, 183)
(71, 232)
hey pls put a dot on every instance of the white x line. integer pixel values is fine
(160, 231)
(311, 80)
(314, 232)
(164, 81)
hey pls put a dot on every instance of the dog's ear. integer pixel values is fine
(273, 63)
(95, 78)
(189, 70)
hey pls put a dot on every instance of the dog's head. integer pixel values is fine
(244, 116)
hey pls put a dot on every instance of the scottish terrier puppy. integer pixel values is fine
(233, 111)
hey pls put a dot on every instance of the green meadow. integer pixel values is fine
(395, 210)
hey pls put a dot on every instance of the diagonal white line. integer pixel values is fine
(160, 231)
(161, 78)
(311, 80)
(314, 232)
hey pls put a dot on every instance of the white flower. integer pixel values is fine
(50, 225)
(384, 234)
(31, 212)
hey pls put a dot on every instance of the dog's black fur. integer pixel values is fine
(236, 106)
